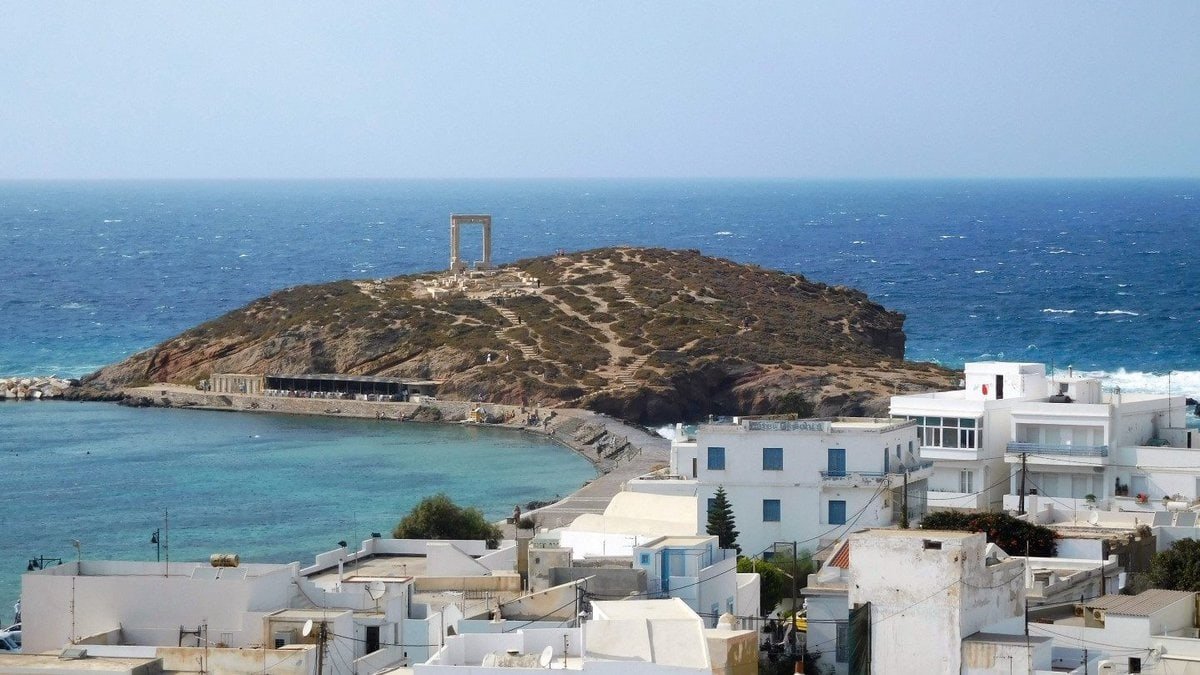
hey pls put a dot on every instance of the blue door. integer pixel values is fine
(665, 570)
(837, 462)
(837, 512)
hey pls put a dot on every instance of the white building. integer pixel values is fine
(632, 637)
(804, 481)
(1084, 448)
(921, 601)
(645, 545)
(251, 617)
(135, 609)
(966, 432)
(1152, 632)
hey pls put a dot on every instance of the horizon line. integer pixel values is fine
(813, 179)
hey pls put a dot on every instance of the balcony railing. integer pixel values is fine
(877, 476)
(1061, 450)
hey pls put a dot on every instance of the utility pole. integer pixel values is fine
(1021, 504)
(795, 572)
(321, 649)
(166, 543)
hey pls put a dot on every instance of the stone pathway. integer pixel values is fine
(652, 451)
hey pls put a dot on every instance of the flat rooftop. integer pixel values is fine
(19, 663)
(1005, 639)
(395, 568)
(617, 610)
(128, 568)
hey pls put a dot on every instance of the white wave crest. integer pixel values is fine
(1115, 311)
(1051, 310)
(723, 233)
(1179, 382)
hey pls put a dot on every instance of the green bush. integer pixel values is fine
(1001, 529)
(438, 517)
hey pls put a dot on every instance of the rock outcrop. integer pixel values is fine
(648, 335)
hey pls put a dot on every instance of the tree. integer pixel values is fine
(793, 402)
(1009, 533)
(438, 517)
(773, 584)
(720, 521)
(1177, 568)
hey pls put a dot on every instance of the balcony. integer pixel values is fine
(950, 499)
(1058, 450)
(916, 471)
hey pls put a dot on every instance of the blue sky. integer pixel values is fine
(600, 89)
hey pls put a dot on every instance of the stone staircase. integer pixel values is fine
(625, 376)
(528, 352)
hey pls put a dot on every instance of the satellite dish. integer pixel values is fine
(489, 661)
(376, 589)
(1094, 518)
(308, 625)
(546, 657)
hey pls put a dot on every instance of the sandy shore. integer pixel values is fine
(617, 450)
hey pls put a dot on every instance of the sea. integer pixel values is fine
(1096, 276)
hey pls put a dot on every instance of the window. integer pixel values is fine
(947, 432)
(836, 465)
(716, 459)
(644, 559)
(842, 653)
(837, 512)
(770, 510)
(1138, 484)
(712, 501)
(772, 459)
(966, 480)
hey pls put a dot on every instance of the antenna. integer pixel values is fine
(1094, 519)
(308, 626)
(489, 661)
(548, 656)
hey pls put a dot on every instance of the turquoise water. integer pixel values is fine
(272, 488)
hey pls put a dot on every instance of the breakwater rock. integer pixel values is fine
(35, 388)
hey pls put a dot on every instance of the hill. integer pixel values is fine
(648, 335)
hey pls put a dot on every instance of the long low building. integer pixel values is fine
(322, 384)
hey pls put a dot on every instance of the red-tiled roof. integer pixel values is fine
(842, 557)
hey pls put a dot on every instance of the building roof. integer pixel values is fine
(335, 377)
(51, 663)
(1142, 604)
(1005, 639)
(841, 557)
(640, 513)
(666, 632)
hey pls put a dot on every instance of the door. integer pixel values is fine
(837, 462)
(999, 387)
(372, 639)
